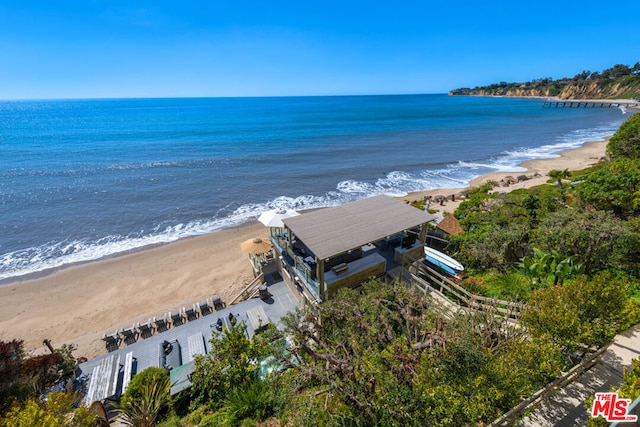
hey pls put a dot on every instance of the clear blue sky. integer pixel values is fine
(160, 48)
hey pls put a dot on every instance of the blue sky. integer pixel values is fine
(115, 48)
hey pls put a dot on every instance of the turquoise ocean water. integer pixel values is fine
(84, 179)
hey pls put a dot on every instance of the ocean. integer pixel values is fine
(85, 179)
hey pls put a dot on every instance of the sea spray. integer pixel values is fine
(117, 175)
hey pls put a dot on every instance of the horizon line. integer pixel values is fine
(91, 98)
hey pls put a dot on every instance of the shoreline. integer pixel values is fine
(77, 303)
(587, 155)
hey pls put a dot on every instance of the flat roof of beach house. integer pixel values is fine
(332, 231)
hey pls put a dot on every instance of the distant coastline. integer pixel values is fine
(618, 82)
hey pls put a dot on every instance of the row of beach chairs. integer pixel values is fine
(153, 325)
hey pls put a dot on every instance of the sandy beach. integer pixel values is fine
(538, 171)
(78, 304)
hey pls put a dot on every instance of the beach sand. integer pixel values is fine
(78, 304)
(579, 158)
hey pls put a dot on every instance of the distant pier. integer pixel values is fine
(559, 103)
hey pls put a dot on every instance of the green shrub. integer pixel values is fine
(625, 143)
(147, 398)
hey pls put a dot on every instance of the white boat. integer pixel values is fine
(443, 261)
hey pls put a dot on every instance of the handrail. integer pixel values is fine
(510, 417)
(460, 295)
(513, 309)
(247, 292)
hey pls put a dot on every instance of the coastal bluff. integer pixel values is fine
(618, 82)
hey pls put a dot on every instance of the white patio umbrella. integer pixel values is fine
(274, 217)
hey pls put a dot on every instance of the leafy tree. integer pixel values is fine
(542, 265)
(365, 349)
(523, 366)
(22, 377)
(559, 175)
(230, 365)
(582, 76)
(593, 239)
(13, 383)
(614, 187)
(384, 356)
(625, 143)
(629, 252)
(531, 203)
(58, 410)
(618, 70)
(578, 315)
(44, 371)
(146, 398)
(493, 247)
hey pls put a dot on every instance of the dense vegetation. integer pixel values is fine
(33, 389)
(619, 81)
(388, 354)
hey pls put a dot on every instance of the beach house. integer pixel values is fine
(321, 251)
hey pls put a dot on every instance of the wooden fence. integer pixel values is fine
(427, 279)
(250, 290)
(510, 418)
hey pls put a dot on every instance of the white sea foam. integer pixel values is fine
(394, 183)
(57, 254)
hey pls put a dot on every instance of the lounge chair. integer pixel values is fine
(190, 313)
(177, 319)
(218, 304)
(161, 324)
(205, 308)
(129, 370)
(112, 342)
(145, 329)
(129, 335)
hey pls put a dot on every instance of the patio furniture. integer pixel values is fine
(129, 335)
(112, 342)
(263, 291)
(128, 370)
(196, 346)
(205, 308)
(169, 356)
(177, 319)
(218, 325)
(218, 304)
(104, 380)
(191, 313)
(258, 319)
(161, 324)
(145, 329)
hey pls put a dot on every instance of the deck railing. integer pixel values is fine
(434, 280)
(250, 290)
(527, 405)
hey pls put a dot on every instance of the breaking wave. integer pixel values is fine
(394, 183)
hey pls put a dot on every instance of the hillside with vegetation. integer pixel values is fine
(618, 82)
(388, 354)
